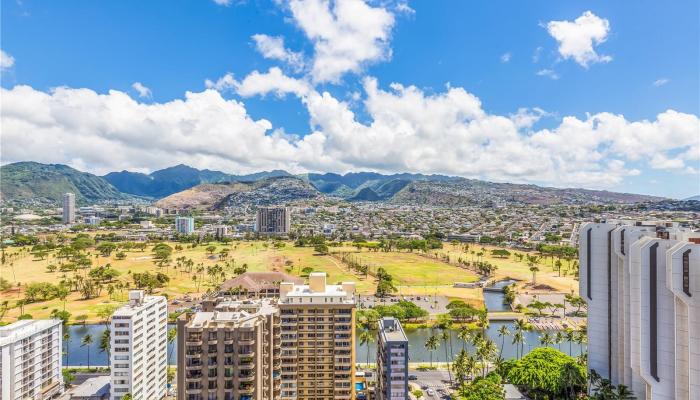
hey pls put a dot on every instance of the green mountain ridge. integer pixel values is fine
(32, 182)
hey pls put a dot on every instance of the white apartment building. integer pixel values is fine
(184, 225)
(68, 208)
(138, 350)
(642, 285)
(30, 360)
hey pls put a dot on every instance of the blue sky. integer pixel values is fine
(506, 54)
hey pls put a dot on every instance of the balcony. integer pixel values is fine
(193, 377)
(192, 366)
(194, 341)
(246, 377)
(246, 341)
(246, 389)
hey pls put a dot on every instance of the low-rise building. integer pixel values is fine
(96, 388)
(258, 284)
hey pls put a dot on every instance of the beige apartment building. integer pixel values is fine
(318, 339)
(229, 351)
(297, 346)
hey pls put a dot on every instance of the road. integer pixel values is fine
(436, 380)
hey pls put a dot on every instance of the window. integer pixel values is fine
(622, 242)
(588, 263)
(653, 344)
(686, 272)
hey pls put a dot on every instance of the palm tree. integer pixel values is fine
(519, 337)
(486, 349)
(87, 341)
(104, 341)
(571, 377)
(518, 340)
(172, 334)
(465, 335)
(534, 269)
(483, 322)
(470, 365)
(624, 393)
(432, 344)
(459, 367)
(366, 338)
(445, 336)
(503, 331)
(558, 338)
(546, 339)
(570, 337)
(66, 340)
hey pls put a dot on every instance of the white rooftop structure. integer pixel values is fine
(23, 329)
(317, 291)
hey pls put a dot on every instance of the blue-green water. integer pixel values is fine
(76, 354)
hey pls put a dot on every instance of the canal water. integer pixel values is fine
(76, 354)
(495, 301)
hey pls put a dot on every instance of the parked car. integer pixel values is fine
(412, 378)
(430, 392)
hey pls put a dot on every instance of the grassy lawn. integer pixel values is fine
(414, 274)
(411, 269)
(511, 267)
(408, 269)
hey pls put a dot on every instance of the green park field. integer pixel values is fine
(413, 273)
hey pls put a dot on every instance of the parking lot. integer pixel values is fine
(432, 304)
(434, 384)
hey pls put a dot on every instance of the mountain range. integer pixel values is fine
(175, 179)
(182, 186)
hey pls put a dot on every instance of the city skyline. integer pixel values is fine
(565, 95)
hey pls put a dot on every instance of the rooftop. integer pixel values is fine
(93, 387)
(257, 281)
(23, 329)
(240, 313)
(137, 301)
(391, 330)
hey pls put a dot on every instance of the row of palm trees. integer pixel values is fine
(486, 351)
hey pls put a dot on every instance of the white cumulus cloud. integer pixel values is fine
(141, 89)
(272, 47)
(261, 83)
(6, 60)
(577, 39)
(661, 82)
(346, 34)
(272, 81)
(505, 57)
(403, 129)
(226, 82)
